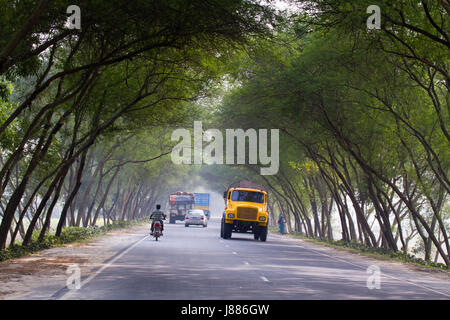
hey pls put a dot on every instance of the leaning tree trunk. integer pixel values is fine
(72, 195)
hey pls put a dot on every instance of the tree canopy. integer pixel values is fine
(86, 115)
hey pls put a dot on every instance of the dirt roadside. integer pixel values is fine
(40, 275)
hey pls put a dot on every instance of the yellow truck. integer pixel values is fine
(246, 210)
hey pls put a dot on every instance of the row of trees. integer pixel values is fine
(86, 115)
(364, 116)
(104, 184)
(83, 112)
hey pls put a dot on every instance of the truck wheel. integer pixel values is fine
(227, 230)
(256, 232)
(263, 234)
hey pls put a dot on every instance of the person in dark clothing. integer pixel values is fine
(157, 215)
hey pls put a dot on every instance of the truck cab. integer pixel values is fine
(202, 202)
(179, 204)
(246, 211)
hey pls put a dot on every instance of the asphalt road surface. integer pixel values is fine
(195, 263)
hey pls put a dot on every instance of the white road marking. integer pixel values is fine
(234, 252)
(245, 262)
(264, 279)
(92, 276)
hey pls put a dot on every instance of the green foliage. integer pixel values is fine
(354, 104)
(356, 108)
(7, 106)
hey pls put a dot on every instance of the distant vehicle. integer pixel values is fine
(246, 210)
(179, 203)
(202, 202)
(196, 217)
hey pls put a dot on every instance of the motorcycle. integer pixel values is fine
(157, 230)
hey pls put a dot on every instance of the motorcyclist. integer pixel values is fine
(157, 215)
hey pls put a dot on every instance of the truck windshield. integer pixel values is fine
(249, 196)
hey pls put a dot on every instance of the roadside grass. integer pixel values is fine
(361, 249)
(68, 235)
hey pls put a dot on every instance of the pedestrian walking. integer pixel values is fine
(281, 223)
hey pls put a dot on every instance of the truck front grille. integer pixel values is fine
(247, 213)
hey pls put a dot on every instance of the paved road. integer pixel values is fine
(195, 263)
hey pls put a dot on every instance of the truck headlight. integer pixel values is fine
(262, 218)
(230, 215)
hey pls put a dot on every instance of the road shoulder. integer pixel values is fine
(40, 275)
(342, 253)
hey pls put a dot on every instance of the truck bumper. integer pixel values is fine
(238, 221)
(245, 226)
